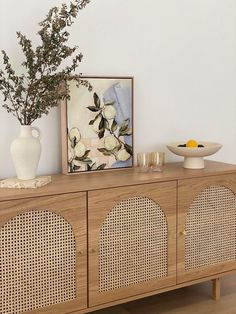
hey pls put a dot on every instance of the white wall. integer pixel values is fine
(182, 54)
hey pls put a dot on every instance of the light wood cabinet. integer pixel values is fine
(132, 246)
(43, 254)
(94, 240)
(206, 226)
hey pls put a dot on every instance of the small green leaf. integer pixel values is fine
(101, 124)
(124, 126)
(75, 168)
(84, 156)
(129, 149)
(91, 122)
(127, 132)
(109, 103)
(73, 142)
(87, 153)
(93, 164)
(101, 167)
(114, 126)
(104, 151)
(101, 134)
(97, 102)
(106, 125)
(87, 161)
(93, 108)
(71, 166)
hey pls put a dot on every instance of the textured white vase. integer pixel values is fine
(26, 151)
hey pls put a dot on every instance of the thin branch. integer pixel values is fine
(37, 92)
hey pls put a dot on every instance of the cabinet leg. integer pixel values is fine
(216, 289)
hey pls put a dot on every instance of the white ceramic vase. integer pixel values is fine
(26, 151)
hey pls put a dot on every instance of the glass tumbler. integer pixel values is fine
(143, 161)
(157, 161)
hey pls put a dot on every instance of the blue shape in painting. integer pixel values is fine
(122, 99)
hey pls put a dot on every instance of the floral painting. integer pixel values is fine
(100, 125)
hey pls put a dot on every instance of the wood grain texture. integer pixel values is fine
(105, 190)
(62, 184)
(188, 189)
(216, 289)
(100, 204)
(64, 136)
(73, 209)
(172, 291)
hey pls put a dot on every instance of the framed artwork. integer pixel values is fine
(97, 126)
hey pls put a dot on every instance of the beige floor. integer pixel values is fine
(190, 300)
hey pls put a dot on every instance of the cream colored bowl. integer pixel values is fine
(193, 157)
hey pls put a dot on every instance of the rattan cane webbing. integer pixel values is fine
(211, 228)
(133, 244)
(37, 259)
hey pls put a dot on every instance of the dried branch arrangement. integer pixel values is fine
(30, 95)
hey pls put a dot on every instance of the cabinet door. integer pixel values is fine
(206, 226)
(43, 254)
(132, 242)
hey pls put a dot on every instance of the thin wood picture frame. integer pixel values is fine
(97, 126)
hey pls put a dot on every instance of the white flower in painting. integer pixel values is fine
(109, 112)
(96, 125)
(74, 134)
(122, 155)
(79, 150)
(71, 153)
(110, 142)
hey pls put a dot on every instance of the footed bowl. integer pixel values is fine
(193, 156)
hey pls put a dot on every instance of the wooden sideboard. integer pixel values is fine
(90, 241)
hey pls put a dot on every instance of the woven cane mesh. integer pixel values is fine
(211, 228)
(133, 244)
(37, 262)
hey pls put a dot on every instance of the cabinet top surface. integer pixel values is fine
(62, 184)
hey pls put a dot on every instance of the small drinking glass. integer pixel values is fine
(157, 161)
(143, 161)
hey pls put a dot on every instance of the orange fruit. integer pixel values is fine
(192, 144)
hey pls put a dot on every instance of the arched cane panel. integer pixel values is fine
(211, 228)
(132, 244)
(37, 258)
